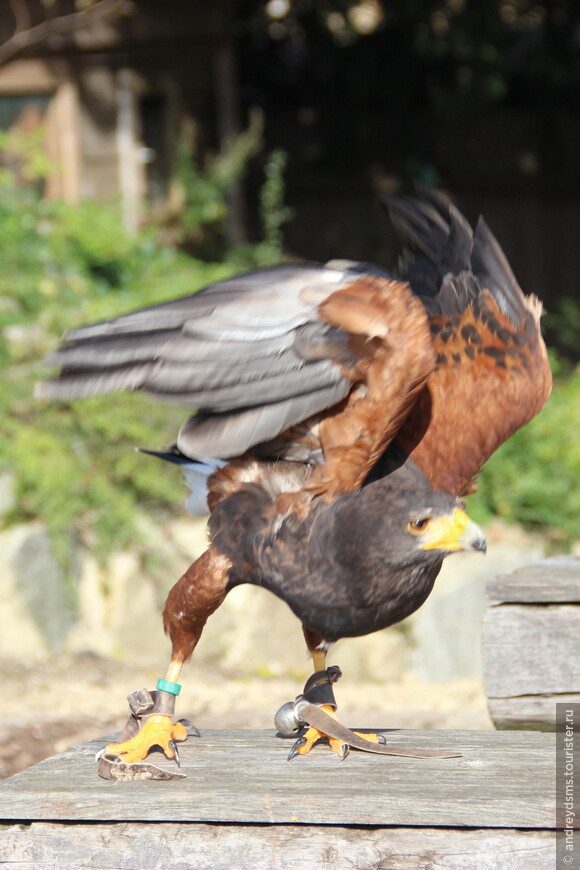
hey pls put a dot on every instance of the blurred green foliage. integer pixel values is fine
(273, 215)
(204, 191)
(563, 327)
(204, 188)
(24, 157)
(273, 212)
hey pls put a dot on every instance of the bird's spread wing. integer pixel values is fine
(329, 365)
(344, 348)
(245, 352)
(492, 373)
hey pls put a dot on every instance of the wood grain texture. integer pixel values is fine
(128, 846)
(531, 643)
(551, 581)
(532, 712)
(531, 650)
(502, 780)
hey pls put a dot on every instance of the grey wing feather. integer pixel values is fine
(250, 353)
(229, 435)
(167, 344)
(219, 386)
(269, 388)
(267, 297)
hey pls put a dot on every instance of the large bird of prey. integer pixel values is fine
(341, 412)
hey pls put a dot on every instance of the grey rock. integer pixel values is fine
(36, 604)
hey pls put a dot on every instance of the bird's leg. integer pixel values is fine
(151, 722)
(319, 685)
(191, 601)
(318, 691)
(319, 659)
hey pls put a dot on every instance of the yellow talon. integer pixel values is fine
(156, 731)
(313, 735)
(366, 735)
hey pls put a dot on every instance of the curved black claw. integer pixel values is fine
(294, 751)
(381, 739)
(102, 754)
(173, 746)
(344, 751)
(192, 731)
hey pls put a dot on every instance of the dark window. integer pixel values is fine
(25, 110)
(154, 138)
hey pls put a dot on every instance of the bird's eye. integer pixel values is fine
(418, 525)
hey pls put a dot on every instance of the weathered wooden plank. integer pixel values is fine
(535, 712)
(531, 650)
(44, 846)
(551, 581)
(502, 780)
(531, 643)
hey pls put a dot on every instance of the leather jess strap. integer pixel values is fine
(313, 715)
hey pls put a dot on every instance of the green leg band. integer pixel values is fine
(168, 686)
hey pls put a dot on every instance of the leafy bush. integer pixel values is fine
(203, 190)
(76, 467)
(563, 327)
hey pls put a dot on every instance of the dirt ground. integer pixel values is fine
(52, 705)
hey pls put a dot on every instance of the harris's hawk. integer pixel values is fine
(341, 412)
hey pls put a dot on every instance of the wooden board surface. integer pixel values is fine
(551, 581)
(128, 846)
(531, 650)
(531, 643)
(536, 712)
(502, 780)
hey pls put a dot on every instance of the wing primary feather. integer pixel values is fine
(447, 263)
(81, 383)
(229, 435)
(172, 345)
(456, 250)
(490, 265)
(229, 388)
(413, 221)
(289, 384)
(269, 296)
(111, 351)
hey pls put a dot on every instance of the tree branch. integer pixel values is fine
(22, 39)
(21, 14)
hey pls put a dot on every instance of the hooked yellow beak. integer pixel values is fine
(453, 533)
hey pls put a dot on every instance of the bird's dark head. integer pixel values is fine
(373, 556)
(401, 521)
(442, 528)
(380, 551)
(422, 519)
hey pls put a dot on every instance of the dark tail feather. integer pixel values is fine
(196, 473)
(172, 454)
